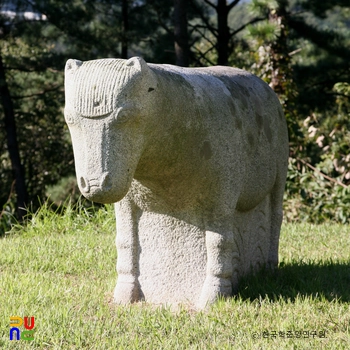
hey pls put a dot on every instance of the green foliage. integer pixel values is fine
(321, 191)
(66, 187)
(36, 87)
(320, 8)
(311, 197)
(34, 73)
(299, 47)
(301, 56)
(70, 218)
(7, 217)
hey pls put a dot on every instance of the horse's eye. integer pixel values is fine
(122, 115)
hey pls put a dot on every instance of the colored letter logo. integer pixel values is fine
(16, 322)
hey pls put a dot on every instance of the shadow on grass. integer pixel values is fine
(328, 280)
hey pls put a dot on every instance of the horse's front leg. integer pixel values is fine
(218, 282)
(127, 289)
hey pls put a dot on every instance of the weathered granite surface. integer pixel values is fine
(195, 160)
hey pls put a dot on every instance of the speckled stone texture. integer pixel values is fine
(195, 160)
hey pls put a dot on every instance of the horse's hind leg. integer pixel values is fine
(218, 281)
(276, 222)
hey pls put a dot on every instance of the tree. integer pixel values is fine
(32, 96)
(221, 38)
(180, 33)
(305, 57)
(299, 47)
(32, 81)
(12, 143)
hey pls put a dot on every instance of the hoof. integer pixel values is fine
(125, 293)
(213, 288)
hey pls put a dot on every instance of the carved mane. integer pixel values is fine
(92, 87)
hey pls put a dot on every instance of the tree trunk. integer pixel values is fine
(180, 31)
(12, 144)
(223, 39)
(280, 60)
(125, 28)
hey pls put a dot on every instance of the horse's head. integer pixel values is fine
(106, 111)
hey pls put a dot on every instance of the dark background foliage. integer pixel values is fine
(299, 47)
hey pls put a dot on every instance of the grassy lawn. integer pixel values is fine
(61, 270)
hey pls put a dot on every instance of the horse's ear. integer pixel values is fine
(137, 63)
(72, 65)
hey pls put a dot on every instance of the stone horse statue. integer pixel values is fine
(195, 160)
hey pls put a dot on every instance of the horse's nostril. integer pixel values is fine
(84, 184)
(106, 183)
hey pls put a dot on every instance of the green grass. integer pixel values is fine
(61, 270)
